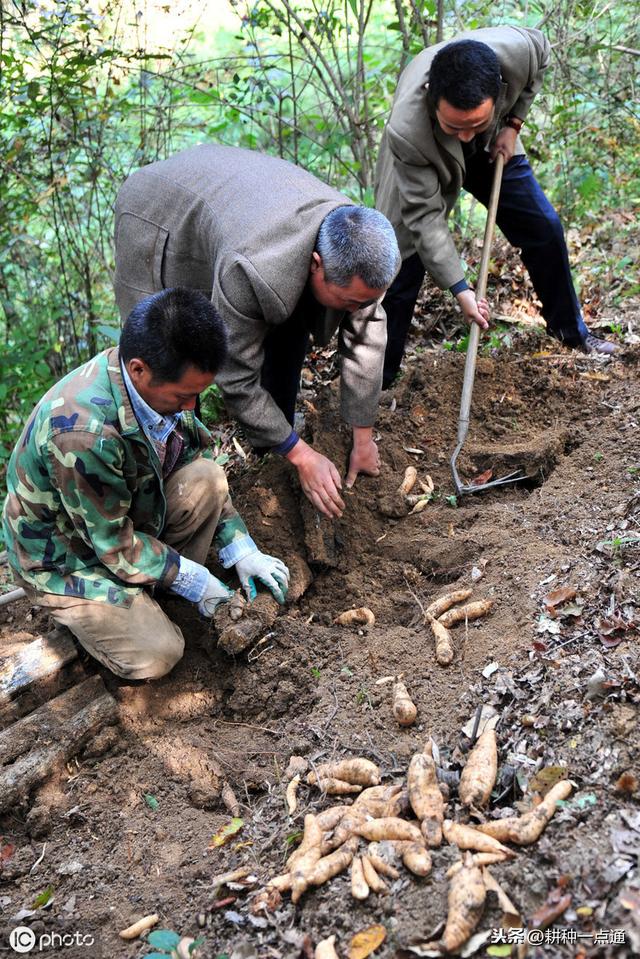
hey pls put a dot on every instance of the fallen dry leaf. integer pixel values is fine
(482, 478)
(545, 778)
(559, 596)
(598, 377)
(555, 905)
(366, 942)
(226, 832)
(627, 783)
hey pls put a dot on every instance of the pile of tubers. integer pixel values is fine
(404, 822)
(444, 613)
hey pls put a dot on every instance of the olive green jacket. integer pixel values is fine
(420, 170)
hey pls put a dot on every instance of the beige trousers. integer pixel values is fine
(139, 641)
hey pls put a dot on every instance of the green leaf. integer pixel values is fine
(156, 955)
(151, 801)
(503, 950)
(43, 898)
(165, 939)
(110, 332)
(226, 832)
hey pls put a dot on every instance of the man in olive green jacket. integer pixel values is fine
(459, 104)
(112, 490)
(283, 257)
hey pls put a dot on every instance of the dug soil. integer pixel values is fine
(126, 829)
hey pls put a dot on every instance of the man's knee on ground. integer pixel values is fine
(202, 481)
(153, 661)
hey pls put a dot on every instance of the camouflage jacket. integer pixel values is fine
(85, 505)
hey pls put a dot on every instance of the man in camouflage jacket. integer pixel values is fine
(112, 490)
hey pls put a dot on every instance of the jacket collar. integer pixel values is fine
(126, 416)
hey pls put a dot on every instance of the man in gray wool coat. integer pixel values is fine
(284, 258)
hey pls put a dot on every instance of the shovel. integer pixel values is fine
(472, 349)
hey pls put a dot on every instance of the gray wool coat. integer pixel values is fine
(241, 227)
(420, 169)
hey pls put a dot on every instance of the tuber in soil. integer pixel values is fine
(425, 796)
(389, 828)
(466, 613)
(404, 709)
(524, 830)
(443, 603)
(326, 949)
(359, 887)
(466, 837)
(357, 771)
(466, 899)
(480, 771)
(355, 617)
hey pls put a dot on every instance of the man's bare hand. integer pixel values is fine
(364, 457)
(504, 143)
(319, 478)
(475, 311)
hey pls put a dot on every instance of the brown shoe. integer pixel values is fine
(593, 344)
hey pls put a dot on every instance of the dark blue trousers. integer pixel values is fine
(529, 222)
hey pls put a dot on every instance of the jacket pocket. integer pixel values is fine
(140, 250)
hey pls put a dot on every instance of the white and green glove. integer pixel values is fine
(270, 571)
(216, 593)
(236, 548)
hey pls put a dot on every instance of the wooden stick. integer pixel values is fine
(70, 735)
(37, 661)
(12, 597)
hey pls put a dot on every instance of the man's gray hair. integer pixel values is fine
(358, 241)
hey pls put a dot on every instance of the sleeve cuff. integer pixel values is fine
(191, 581)
(459, 287)
(236, 550)
(283, 448)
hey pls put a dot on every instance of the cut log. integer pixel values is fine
(59, 730)
(13, 596)
(35, 673)
(259, 616)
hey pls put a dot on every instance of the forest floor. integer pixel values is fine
(120, 835)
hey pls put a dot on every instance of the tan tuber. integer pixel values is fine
(358, 771)
(444, 643)
(408, 481)
(425, 796)
(326, 949)
(355, 617)
(359, 887)
(524, 830)
(142, 925)
(480, 771)
(466, 898)
(466, 837)
(390, 827)
(415, 857)
(332, 865)
(443, 603)
(373, 880)
(466, 613)
(404, 709)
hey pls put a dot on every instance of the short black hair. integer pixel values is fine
(465, 73)
(172, 330)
